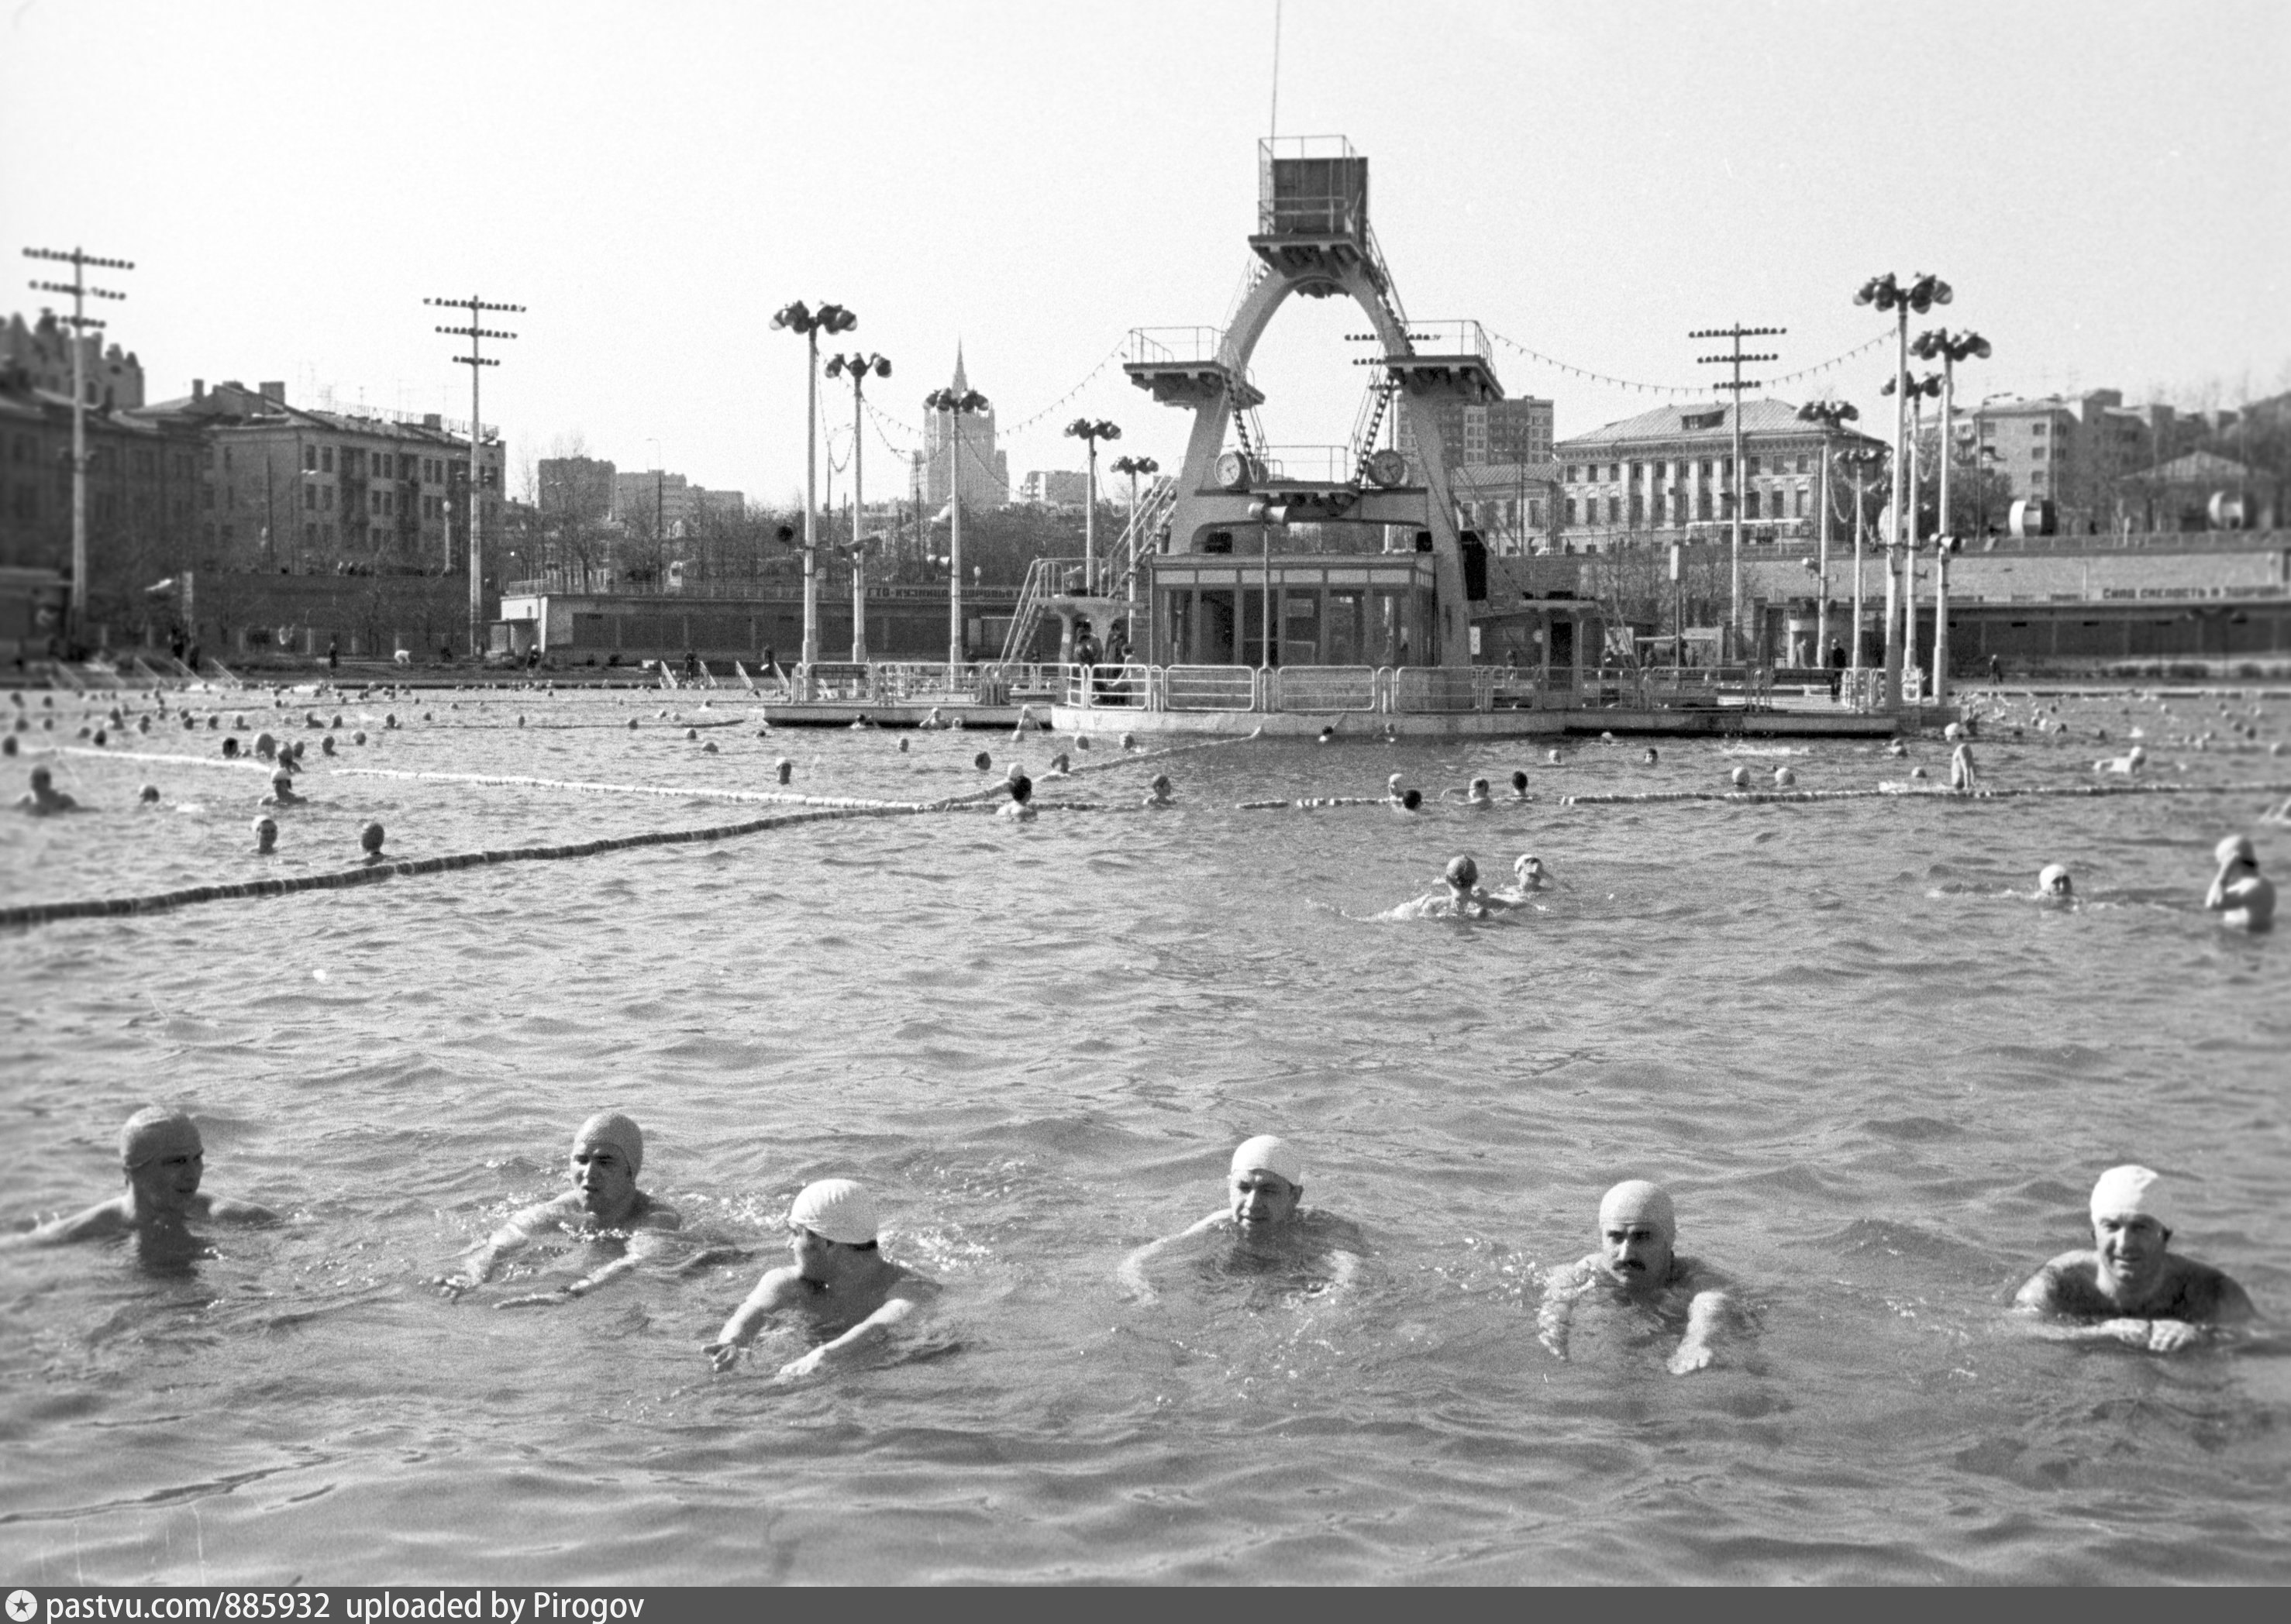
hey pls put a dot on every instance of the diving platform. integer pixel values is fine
(1185, 366)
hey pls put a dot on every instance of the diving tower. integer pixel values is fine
(1386, 582)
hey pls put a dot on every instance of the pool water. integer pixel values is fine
(1877, 1075)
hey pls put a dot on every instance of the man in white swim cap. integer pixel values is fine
(2054, 884)
(840, 1281)
(2129, 1287)
(1264, 1213)
(1637, 1264)
(163, 1159)
(604, 1205)
(2239, 894)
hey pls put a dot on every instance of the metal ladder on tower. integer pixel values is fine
(1042, 577)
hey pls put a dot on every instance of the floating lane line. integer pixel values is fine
(1904, 792)
(45, 913)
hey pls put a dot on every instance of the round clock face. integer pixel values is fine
(1233, 471)
(1388, 468)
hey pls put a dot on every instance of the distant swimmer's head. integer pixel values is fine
(1639, 1232)
(2132, 1223)
(1652, 758)
(606, 1156)
(983, 761)
(1553, 756)
(370, 839)
(1411, 799)
(42, 779)
(828, 1214)
(162, 1156)
(2236, 851)
(1022, 788)
(2137, 754)
(229, 747)
(1953, 732)
(1462, 874)
(1518, 782)
(1740, 778)
(1157, 793)
(282, 782)
(266, 836)
(1477, 790)
(1263, 1182)
(2054, 881)
(1532, 874)
(149, 795)
(1392, 785)
(784, 768)
(1327, 735)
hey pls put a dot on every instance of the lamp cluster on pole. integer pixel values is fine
(1832, 415)
(1133, 467)
(1090, 431)
(475, 362)
(1736, 357)
(957, 403)
(1949, 348)
(1916, 391)
(1889, 295)
(800, 317)
(80, 321)
(858, 368)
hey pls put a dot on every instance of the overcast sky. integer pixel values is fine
(2103, 182)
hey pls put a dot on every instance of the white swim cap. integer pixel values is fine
(2236, 849)
(157, 1130)
(836, 1210)
(2053, 874)
(2132, 1191)
(1269, 1153)
(617, 1129)
(1634, 1200)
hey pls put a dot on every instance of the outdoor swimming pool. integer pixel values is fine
(1878, 1078)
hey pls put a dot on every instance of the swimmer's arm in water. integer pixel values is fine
(905, 1301)
(1131, 1271)
(647, 1244)
(2062, 1303)
(512, 1236)
(778, 1289)
(1555, 1315)
(1708, 1313)
(99, 1222)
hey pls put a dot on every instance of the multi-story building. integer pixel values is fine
(1669, 475)
(1508, 504)
(41, 353)
(304, 491)
(145, 480)
(2082, 453)
(579, 489)
(1508, 432)
(660, 504)
(1055, 488)
(986, 470)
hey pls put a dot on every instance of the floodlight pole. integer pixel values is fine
(80, 321)
(1735, 357)
(475, 362)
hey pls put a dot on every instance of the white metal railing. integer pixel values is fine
(1441, 690)
(1450, 338)
(1204, 688)
(1321, 464)
(1327, 688)
(1173, 346)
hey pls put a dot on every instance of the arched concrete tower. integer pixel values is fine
(1313, 238)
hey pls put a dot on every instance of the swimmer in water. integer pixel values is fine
(266, 837)
(606, 1156)
(1264, 1215)
(936, 721)
(163, 1159)
(1962, 779)
(2055, 886)
(2239, 894)
(1651, 757)
(2130, 761)
(1061, 766)
(841, 1282)
(1519, 786)
(370, 839)
(2129, 1288)
(44, 797)
(1392, 792)
(1159, 794)
(1475, 794)
(1637, 1262)
(1020, 806)
(282, 791)
(1461, 898)
(1528, 874)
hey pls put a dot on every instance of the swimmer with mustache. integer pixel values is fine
(1637, 1262)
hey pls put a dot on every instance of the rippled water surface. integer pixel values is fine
(1876, 1075)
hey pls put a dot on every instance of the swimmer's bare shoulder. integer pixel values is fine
(107, 1219)
(2068, 1287)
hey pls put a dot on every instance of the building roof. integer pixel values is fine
(1712, 422)
(2199, 467)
